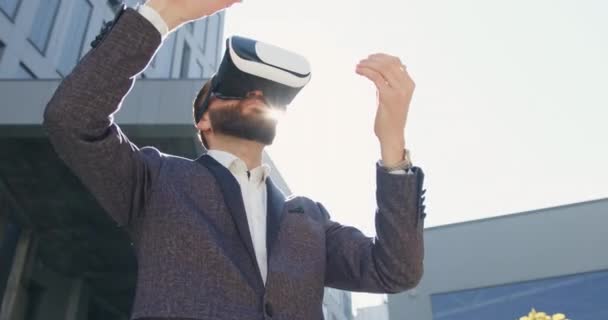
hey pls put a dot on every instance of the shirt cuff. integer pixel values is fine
(396, 171)
(154, 17)
(404, 167)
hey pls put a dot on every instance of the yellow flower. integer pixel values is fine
(533, 315)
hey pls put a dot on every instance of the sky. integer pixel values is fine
(508, 114)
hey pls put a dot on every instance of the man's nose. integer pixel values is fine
(255, 93)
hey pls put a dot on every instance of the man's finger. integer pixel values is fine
(384, 70)
(393, 67)
(384, 56)
(374, 76)
(393, 61)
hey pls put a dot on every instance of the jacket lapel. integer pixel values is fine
(234, 201)
(275, 203)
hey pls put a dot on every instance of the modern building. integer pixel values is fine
(337, 305)
(45, 39)
(553, 260)
(61, 256)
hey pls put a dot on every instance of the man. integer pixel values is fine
(214, 238)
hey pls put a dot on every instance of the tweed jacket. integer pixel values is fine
(187, 220)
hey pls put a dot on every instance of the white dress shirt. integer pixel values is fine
(253, 190)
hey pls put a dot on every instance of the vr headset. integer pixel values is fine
(250, 65)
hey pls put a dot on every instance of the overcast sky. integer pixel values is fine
(509, 112)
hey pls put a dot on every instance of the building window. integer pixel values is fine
(72, 46)
(8, 243)
(23, 72)
(185, 61)
(205, 31)
(43, 24)
(201, 69)
(216, 41)
(10, 8)
(114, 3)
(153, 62)
(2, 46)
(581, 296)
(164, 58)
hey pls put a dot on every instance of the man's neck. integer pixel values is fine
(247, 150)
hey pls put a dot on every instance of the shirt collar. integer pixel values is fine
(237, 166)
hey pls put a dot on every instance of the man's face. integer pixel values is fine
(251, 118)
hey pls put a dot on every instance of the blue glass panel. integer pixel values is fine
(72, 46)
(23, 72)
(43, 23)
(185, 65)
(9, 7)
(580, 297)
(2, 46)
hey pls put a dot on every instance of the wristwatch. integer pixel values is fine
(105, 29)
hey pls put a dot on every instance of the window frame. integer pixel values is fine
(50, 30)
(187, 63)
(82, 41)
(27, 70)
(14, 16)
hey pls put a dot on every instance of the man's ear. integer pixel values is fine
(204, 124)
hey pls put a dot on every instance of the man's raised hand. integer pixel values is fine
(177, 12)
(395, 88)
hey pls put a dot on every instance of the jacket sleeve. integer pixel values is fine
(392, 261)
(79, 119)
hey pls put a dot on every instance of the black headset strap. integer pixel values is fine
(205, 103)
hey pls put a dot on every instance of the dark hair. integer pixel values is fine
(197, 105)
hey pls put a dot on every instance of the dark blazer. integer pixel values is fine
(187, 220)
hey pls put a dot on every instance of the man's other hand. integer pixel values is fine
(177, 12)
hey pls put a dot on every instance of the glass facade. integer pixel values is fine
(164, 58)
(200, 70)
(205, 29)
(77, 27)
(23, 72)
(10, 7)
(216, 38)
(10, 236)
(579, 297)
(43, 23)
(2, 46)
(185, 64)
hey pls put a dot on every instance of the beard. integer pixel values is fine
(231, 120)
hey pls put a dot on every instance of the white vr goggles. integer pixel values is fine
(250, 65)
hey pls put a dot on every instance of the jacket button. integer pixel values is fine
(268, 309)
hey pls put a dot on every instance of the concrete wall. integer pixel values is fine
(505, 250)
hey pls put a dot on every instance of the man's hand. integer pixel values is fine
(394, 91)
(177, 12)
